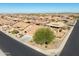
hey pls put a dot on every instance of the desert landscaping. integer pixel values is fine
(21, 25)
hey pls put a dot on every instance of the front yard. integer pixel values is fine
(45, 37)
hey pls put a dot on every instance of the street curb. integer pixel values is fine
(59, 50)
(19, 40)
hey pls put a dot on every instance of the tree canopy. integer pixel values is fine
(43, 36)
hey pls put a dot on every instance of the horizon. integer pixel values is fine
(39, 8)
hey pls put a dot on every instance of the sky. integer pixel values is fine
(39, 7)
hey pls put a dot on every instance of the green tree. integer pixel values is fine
(43, 36)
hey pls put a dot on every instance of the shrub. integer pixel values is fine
(43, 36)
(15, 32)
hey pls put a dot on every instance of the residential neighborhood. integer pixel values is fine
(39, 29)
(24, 26)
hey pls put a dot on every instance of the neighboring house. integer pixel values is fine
(56, 24)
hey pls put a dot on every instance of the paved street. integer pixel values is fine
(72, 46)
(15, 48)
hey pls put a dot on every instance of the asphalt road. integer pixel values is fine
(72, 46)
(12, 47)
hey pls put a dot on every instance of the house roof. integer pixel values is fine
(57, 24)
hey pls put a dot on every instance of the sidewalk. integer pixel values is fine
(65, 39)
